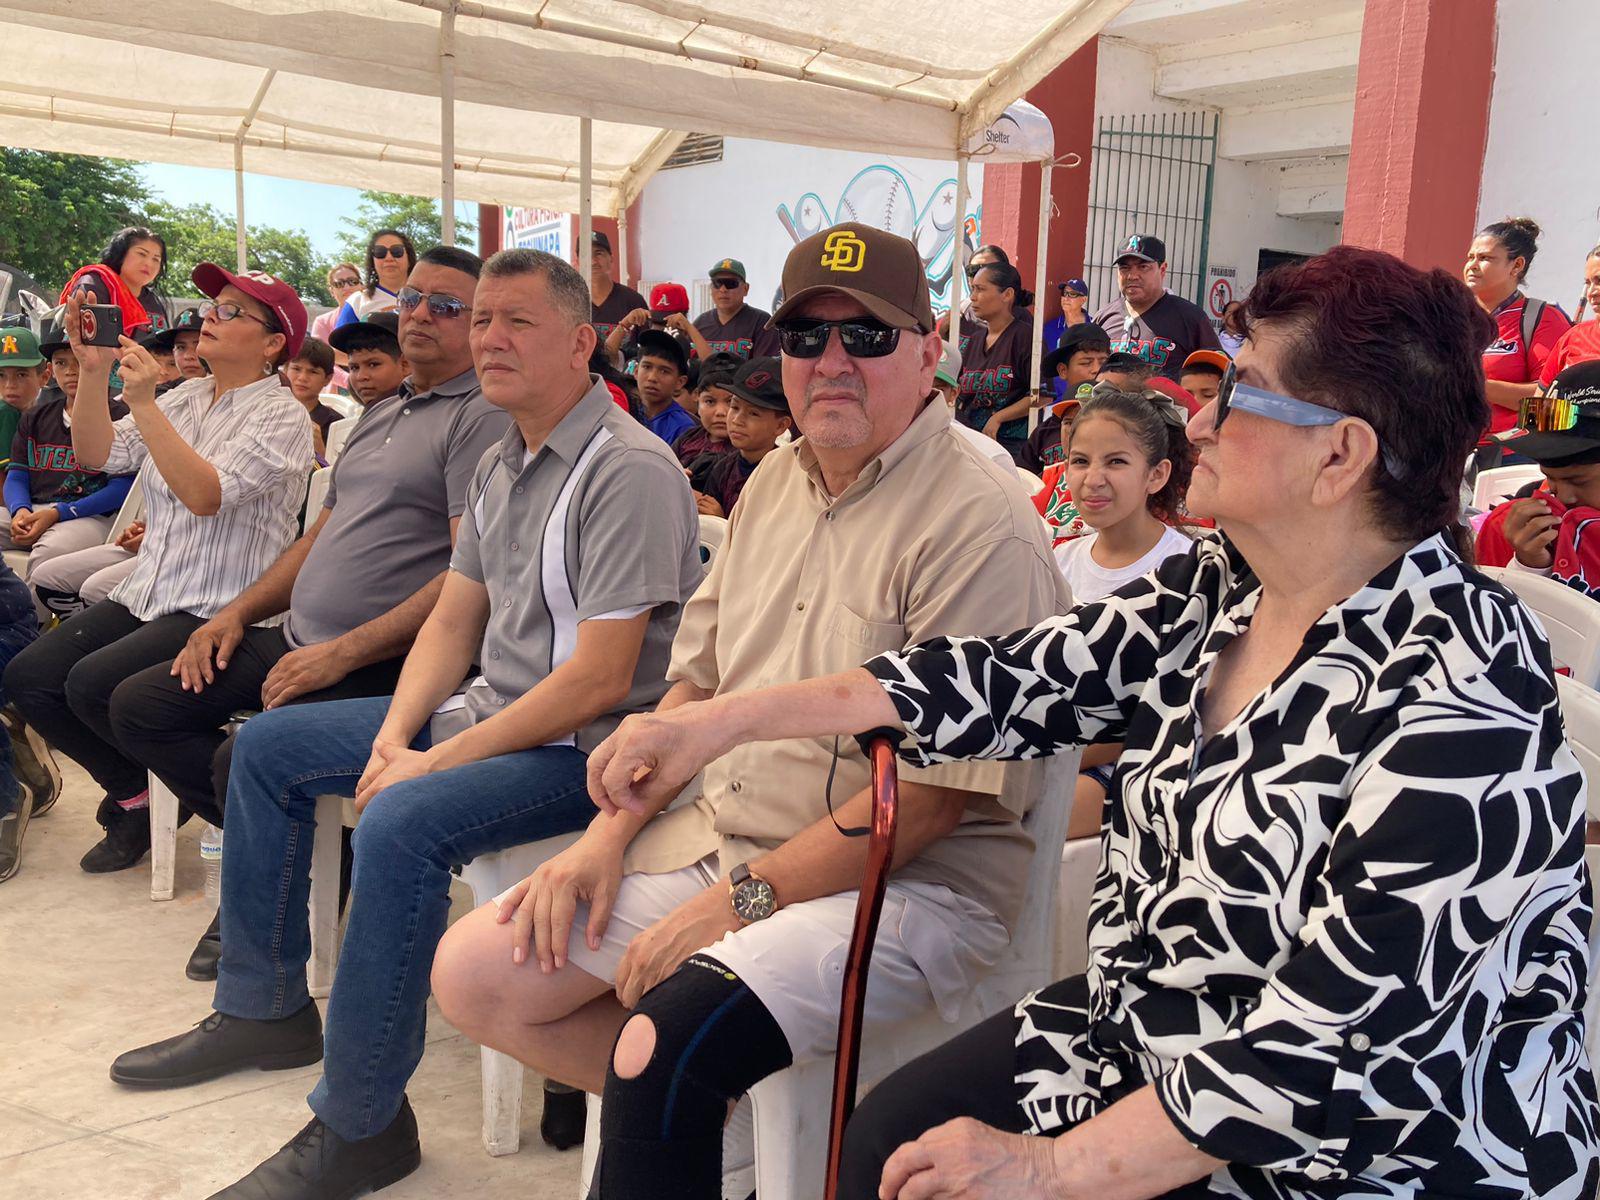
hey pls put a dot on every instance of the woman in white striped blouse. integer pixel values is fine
(222, 462)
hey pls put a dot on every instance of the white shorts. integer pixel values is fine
(932, 948)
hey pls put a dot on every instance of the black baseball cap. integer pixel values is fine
(53, 332)
(163, 341)
(1122, 361)
(599, 239)
(760, 382)
(718, 369)
(1569, 416)
(1077, 338)
(1146, 247)
(376, 329)
(658, 343)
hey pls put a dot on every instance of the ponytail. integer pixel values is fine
(1004, 276)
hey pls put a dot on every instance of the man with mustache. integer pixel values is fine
(694, 942)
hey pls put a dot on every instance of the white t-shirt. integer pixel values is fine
(1090, 581)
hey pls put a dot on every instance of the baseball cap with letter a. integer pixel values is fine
(881, 271)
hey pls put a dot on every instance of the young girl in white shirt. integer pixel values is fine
(1127, 467)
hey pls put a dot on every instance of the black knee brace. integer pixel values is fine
(661, 1131)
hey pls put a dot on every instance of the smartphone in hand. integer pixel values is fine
(101, 325)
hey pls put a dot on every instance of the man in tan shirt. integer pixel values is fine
(880, 528)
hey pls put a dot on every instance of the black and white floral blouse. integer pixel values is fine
(1345, 936)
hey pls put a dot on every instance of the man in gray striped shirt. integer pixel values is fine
(577, 551)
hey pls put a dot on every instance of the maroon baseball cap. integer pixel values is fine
(269, 289)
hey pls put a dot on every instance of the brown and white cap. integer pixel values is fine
(880, 270)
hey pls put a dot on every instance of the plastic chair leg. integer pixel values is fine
(163, 839)
(502, 1103)
(325, 895)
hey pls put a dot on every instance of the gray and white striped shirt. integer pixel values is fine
(258, 438)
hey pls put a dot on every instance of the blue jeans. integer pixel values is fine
(19, 625)
(408, 839)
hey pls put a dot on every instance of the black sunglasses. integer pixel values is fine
(344, 281)
(862, 337)
(727, 282)
(378, 252)
(439, 304)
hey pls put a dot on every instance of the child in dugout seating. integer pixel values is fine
(307, 374)
(1076, 361)
(1553, 530)
(757, 414)
(710, 436)
(375, 366)
(24, 371)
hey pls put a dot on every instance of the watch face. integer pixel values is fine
(754, 900)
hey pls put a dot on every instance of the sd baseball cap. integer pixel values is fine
(658, 343)
(163, 342)
(19, 347)
(760, 382)
(1563, 425)
(269, 289)
(728, 266)
(381, 330)
(881, 272)
(1146, 247)
(669, 298)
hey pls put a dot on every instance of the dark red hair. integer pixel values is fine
(1402, 349)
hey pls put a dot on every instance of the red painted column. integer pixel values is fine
(491, 229)
(1422, 120)
(1011, 190)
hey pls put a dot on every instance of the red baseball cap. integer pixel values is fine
(269, 289)
(669, 298)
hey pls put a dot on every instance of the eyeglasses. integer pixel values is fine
(345, 281)
(1286, 410)
(227, 311)
(861, 337)
(379, 252)
(726, 282)
(439, 305)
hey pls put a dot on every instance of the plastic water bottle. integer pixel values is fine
(211, 860)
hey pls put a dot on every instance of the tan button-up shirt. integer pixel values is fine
(931, 539)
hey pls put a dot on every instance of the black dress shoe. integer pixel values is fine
(34, 764)
(566, 1112)
(318, 1164)
(222, 1044)
(207, 952)
(127, 841)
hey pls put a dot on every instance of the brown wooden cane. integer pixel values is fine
(880, 855)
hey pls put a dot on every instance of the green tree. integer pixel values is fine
(415, 216)
(57, 211)
(199, 233)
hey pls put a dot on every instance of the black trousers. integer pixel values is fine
(63, 683)
(971, 1075)
(179, 734)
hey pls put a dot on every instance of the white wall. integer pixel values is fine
(1543, 155)
(1244, 216)
(764, 196)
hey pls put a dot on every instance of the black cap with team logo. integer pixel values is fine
(760, 382)
(882, 272)
(163, 342)
(658, 343)
(1146, 247)
(1563, 427)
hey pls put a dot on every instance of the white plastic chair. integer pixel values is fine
(1571, 619)
(317, 495)
(792, 1107)
(1580, 712)
(347, 406)
(713, 532)
(487, 876)
(338, 434)
(1030, 481)
(1496, 484)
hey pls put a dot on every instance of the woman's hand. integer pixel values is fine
(542, 906)
(391, 763)
(140, 375)
(1531, 528)
(650, 757)
(968, 1159)
(660, 950)
(91, 359)
(131, 537)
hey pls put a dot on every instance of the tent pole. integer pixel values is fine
(958, 264)
(447, 126)
(585, 206)
(622, 246)
(1036, 413)
(238, 203)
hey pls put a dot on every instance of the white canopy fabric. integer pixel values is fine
(348, 91)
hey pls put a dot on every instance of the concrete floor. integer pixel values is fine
(90, 967)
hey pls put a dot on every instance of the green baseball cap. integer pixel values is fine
(728, 266)
(19, 347)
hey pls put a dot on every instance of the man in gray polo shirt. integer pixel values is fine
(356, 587)
(578, 548)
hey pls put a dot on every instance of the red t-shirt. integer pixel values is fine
(1579, 344)
(1509, 361)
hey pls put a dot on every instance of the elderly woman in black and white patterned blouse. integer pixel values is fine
(1338, 942)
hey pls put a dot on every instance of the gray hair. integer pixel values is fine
(569, 293)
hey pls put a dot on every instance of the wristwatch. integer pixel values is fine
(752, 897)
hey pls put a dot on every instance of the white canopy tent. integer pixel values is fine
(562, 104)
